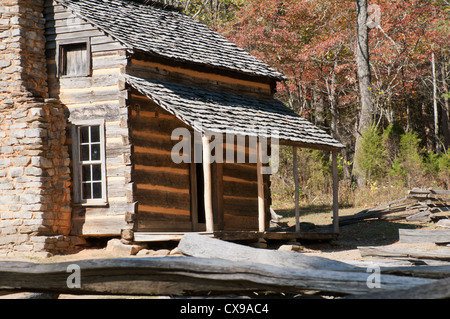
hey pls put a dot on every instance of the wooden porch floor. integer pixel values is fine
(237, 235)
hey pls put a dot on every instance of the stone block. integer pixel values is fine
(30, 199)
(293, 247)
(35, 171)
(21, 161)
(41, 162)
(36, 132)
(117, 248)
(8, 199)
(15, 172)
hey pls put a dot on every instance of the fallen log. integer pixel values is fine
(195, 245)
(422, 216)
(437, 236)
(438, 254)
(181, 276)
(434, 272)
(437, 290)
(380, 212)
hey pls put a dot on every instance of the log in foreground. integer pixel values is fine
(195, 245)
(436, 290)
(182, 276)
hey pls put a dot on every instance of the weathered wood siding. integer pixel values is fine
(150, 67)
(235, 194)
(240, 192)
(162, 186)
(101, 95)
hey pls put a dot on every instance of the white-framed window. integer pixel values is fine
(88, 146)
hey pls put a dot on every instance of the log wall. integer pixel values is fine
(151, 67)
(240, 195)
(101, 95)
(162, 186)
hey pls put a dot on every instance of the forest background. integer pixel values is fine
(314, 43)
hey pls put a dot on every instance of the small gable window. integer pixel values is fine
(74, 58)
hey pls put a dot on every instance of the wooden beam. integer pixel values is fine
(413, 236)
(388, 252)
(209, 220)
(193, 188)
(297, 209)
(201, 75)
(261, 212)
(335, 192)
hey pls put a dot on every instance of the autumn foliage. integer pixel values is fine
(313, 42)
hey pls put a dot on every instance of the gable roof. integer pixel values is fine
(169, 34)
(221, 112)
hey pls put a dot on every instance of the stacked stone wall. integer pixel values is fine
(34, 160)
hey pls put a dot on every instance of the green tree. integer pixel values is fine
(371, 154)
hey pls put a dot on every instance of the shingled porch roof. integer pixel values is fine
(168, 34)
(222, 112)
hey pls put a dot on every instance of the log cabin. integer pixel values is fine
(125, 76)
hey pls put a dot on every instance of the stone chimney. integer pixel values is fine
(35, 207)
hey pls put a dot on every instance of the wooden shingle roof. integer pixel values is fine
(221, 112)
(169, 34)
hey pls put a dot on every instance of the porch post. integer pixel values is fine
(297, 210)
(207, 183)
(335, 192)
(261, 212)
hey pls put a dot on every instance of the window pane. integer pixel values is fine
(95, 134)
(84, 134)
(95, 152)
(97, 190)
(84, 153)
(96, 172)
(86, 191)
(86, 173)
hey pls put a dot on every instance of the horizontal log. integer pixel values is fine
(155, 125)
(181, 276)
(236, 207)
(437, 236)
(157, 160)
(243, 189)
(162, 198)
(165, 177)
(385, 252)
(94, 96)
(437, 290)
(239, 223)
(422, 271)
(106, 225)
(206, 79)
(240, 171)
(163, 219)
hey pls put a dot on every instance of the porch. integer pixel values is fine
(238, 236)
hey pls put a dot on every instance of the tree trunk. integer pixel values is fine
(331, 88)
(435, 107)
(362, 61)
(445, 107)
